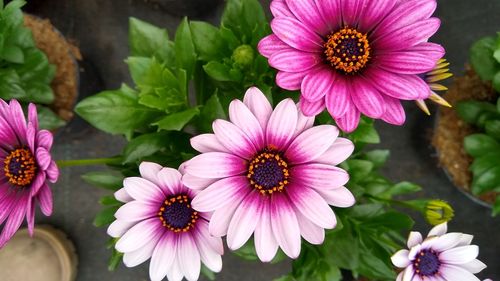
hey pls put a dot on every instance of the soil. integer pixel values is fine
(63, 55)
(451, 130)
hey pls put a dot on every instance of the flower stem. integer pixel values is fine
(86, 162)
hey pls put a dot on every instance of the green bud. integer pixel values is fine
(243, 56)
(438, 211)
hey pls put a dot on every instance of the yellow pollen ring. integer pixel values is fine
(260, 159)
(341, 56)
(177, 199)
(26, 165)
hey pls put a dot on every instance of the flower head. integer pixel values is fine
(27, 166)
(158, 222)
(353, 56)
(270, 173)
(441, 256)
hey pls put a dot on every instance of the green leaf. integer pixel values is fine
(104, 179)
(218, 71)
(359, 169)
(484, 163)
(479, 144)
(247, 252)
(496, 55)
(207, 40)
(496, 207)
(365, 133)
(207, 273)
(378, 157)
(285, 278)
(110, 201)
(146, 39)
(391, 220)
(48, 120)
(253, 15)
(10, 85)
(36, 67)
(401, 188)
(116, 258)
(487, 181)
(105, 217)
(12, 53)
(482, 60)
(143, 146)
(496, 81)
(177, 121)
(469, 111)
(116, 112)
(184, 48)
(39, 93)
(137, 67)
(211, 111)
(492, 128)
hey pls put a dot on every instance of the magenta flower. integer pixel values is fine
(353, 56)
(440, 257)
(271, 174)
(158, 222)
(27, 165)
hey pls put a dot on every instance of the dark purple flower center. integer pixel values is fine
(426, 263)
(177, 215)
(348, 50)
(20, 167)
(268, 172)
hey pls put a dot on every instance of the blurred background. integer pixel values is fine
(100, 30)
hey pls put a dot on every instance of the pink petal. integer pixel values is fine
(203, 233)
(319, 176)
(52, 172)
(285, 225)
(118, 228)
(367, 99)
(294, 61)
(207, 143)
(30, 216)
(195, 182)
(303, 123)
(394, 112)
(310, 231)
(339, 197)
(405, 62)
(459, 255)
(266, 245)
(33, 116)
(189, 257)
(135, 258)
(373, 13)
(43, 158)
(241, 116)
(311, 144)
(139, 235)
(143, 190)
(338, 99)
(163, 256)
(44, 139)
(292, 80)
(234, 139)
(244, 220)
(307, 13)
(15, 219)
(432, 50)
(137, 211)
(209, 256)
(338, 152)
(349, 122)
(351, 11)
(413, 239)
(17, 120)
(122, 195)
(37, 183)
(451, 272)
(282, 124)
(270, 45)
(219, 223)
(220, 193)
(30, 137)
(169, 180)
(317, 84)
(279, 8)
(7, 134)
(297, 35)
(312, 206)
(214, 165)
(395, 85)
(311, 108)
(257, 102)
(149, 171)
(407, 36)
(331, 12)
(44, 196)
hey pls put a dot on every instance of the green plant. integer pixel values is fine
(485, 59)
(484, 146)
(25, 72)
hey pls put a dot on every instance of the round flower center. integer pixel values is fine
(177, 215)
(427, 263)
(20, 167)
(268, 172)
(347, 50)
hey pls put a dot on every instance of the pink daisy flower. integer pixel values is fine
(353, 56)
(27, 166)
(158, 222)
(440, 257)
(269, 173)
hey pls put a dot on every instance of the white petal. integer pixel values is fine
(460, 255)
(140, 255)
(447, 241)
(438, 230)
(189, 257)
(465, 240)
(474, 266)
(455, 273)
(170, 181)
(266, 245)
(118, 228)
(220, 193)
(338, 197)
(149, 170)
(242, 117)
(312, 206)
(174, 273)
(400, 259)
(139, 235)
(244, 221)
(195, 182)
(285, 226)
(310, 231)
(207, 143)
(163, 256)
(259, 105)
(122, 195)
(408, 273)
(209, 257)
(143, 190)
(282, 124)
(338, 152)
(413, 239)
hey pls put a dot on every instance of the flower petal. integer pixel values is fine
(319, 176)
(221, 218)
(413, 239)
(282, 124)
(195, 182)
(296, 34)
(143, 190)
(285, 226)
(317, 84)
(266, 245)
(331, 12)
(291, 80)
(52, 172)
(373, 13)
(207, 143)
(337, 101)
(432, 50)
(15, 219)
(394, 112)
(44, 196)
(43, 158)
(220, 193)
(139, 235)
(33, 116)
(163, 257)
(241, 116)
(169, 180)
(279, 8)
(311, 144)
(44, 139)
(234, 139)
(349, 122)
(400, 259)
(307, 12)
(438, 230)
(367, 99)
(209, 256)
(135, 258)
(311, 232)
(174, 273)
(257, 102)
(312, 206)
(303, 123)
(395, 85)
(405, 62)
(149, 171)
(460, 255)
(311, 108)
(294, 61)
(244, 220)
(137, 211)
(118, 228)
(338, 197)
(337, 153)
(447, 241)
(189, 257)
(270, 45)
(122, 195)
(214, 165)
(351, 11)
(451, 272)
(474, 266)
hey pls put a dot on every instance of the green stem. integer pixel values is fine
(86, 162)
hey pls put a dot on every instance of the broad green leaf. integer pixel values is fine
(146, 39)
(378, 157)
(492, 128)
(104, 179)
(177, 121)
(10, 85)
(184, 48)
(39, 93)
(484, 163)
(165, 99)
(482, 60)
(211, 111)
(402, 188)
(391, 220)
(116, 112)
(13, 54)
(469, 111)
(105, 217)
(496, 55)
(137, 67)
(218, 71)
(22, 38)
(365, 133)
(48, 120)
(144, 146)
(207, 40)
(359, 169)
(229, 37)
(36, 67)
(479, 144)
(253, 16)
(487, 181)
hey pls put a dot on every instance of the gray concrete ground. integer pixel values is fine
(100, 29)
